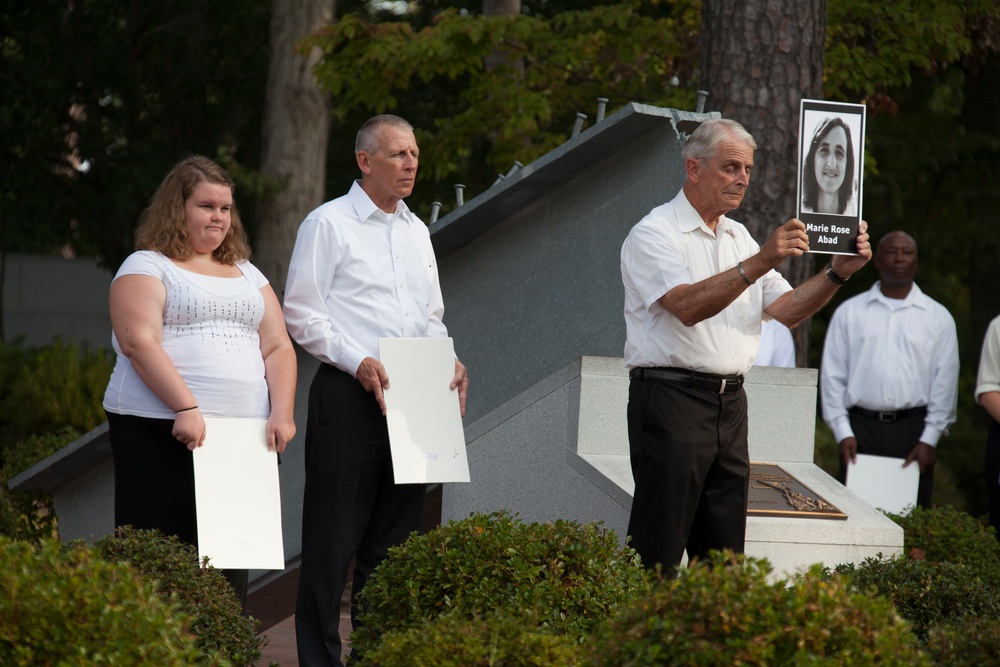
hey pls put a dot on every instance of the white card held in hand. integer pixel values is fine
(884, 483)
(238, 496)
(425, 421)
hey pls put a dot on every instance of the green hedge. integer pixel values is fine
(30, 515)
(201, 592)
(950, 570)
(435, 597)
(925, 593)
(974, 640)
(563, 577)
(44, 389)
(727, 611)
(452, 640)
(946, 535)
(49, 396)
(70, 607)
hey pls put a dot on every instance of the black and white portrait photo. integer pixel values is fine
(831, 160)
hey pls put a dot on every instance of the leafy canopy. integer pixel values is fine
(875, 46)
(479, 118)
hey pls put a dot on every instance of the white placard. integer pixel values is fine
(884, 483)
(238, 496)
(423, 413)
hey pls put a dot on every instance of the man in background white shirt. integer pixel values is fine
(889, 376)
(362, 268)
(777, 347)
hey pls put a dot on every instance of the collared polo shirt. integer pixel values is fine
(673, 246)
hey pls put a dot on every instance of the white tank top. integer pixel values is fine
(210, 334)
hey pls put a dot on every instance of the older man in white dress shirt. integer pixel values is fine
(889, 376)
(362, 268)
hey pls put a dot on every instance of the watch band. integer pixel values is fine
(833, 276)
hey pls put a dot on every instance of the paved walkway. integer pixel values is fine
(270, 605)
(281, 642)
(281, 645)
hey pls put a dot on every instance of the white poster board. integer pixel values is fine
(884, 483)
(238, 496)
(425, 421)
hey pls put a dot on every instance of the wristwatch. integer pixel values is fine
(832, 275)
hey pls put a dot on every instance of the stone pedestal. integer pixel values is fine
(560, 451)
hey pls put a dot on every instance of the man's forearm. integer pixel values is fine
(791, 308)
(707, 298)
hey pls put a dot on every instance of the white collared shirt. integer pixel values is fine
(358, 274)
(777, 347)
(673, 246)
(890, 354)
(988, 378)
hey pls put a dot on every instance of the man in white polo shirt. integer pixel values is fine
(696, 289)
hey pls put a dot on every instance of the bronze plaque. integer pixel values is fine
(774, 492)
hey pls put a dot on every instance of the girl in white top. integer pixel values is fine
(209, 332)
(198, 331)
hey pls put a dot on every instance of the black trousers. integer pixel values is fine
(351, 507)
(896, 439)
(154, 483)
(993, 474)
(691, 466)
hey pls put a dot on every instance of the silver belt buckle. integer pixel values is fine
(722, 386)
(887, 416)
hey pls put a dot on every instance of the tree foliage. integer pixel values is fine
(128, 88)
(478, 121)
(103, 97)
(917, 65)
(874, 47)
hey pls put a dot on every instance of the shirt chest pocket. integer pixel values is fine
(417, 271)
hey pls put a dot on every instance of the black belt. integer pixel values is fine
(890, 415)
(720, 384)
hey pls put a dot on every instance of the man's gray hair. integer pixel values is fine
(369, 134)
(704, 141)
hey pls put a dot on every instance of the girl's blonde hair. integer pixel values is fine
(162, 225)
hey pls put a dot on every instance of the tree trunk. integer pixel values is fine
(759, 59)
(503, 56)
(295, 135)
(501, 7)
